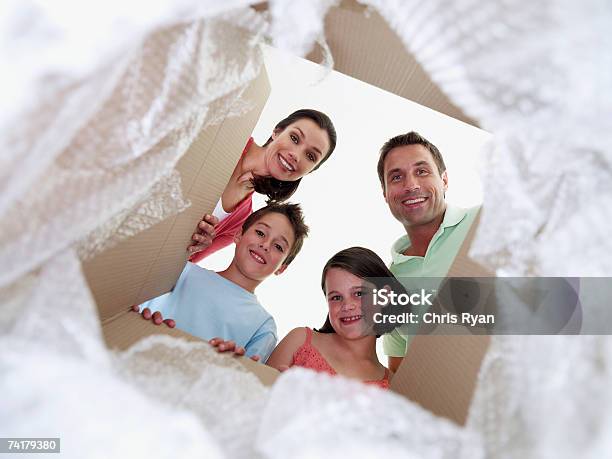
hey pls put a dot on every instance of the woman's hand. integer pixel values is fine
(230, 346)
(204, 235)
(156, 316)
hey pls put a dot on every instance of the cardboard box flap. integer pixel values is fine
(364, 47)
(148, 264)
(128, 327)
(440, 372)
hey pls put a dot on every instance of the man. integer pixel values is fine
(414, 181)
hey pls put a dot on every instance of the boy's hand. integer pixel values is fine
(156, 316)
(230, 346)
(204, 235)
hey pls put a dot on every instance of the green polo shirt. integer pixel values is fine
(438, 259)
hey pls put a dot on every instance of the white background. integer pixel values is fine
(342, 201)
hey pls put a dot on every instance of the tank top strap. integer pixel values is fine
(248, 145)
(308, 340)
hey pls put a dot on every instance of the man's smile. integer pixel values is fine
(414, 203)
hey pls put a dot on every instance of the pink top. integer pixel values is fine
(308, 356)
(228, 227)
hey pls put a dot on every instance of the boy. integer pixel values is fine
(208, 304)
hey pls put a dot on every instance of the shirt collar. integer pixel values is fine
(452, 217)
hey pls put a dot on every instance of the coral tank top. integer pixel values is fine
(228, 227)
(308, 356)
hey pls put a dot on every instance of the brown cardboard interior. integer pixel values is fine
(148, 264)
(440, 372)
(364, 47)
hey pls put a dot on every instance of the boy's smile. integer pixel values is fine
(257, 256)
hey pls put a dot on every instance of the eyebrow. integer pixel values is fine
(281, 236)
(314, 148)
(394, 170)
(417, 164)
(353, 288)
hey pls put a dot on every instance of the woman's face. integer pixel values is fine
(296, 150)
(347, 296)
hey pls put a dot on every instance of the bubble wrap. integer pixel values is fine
(227, 399)
(310, 414)
(538, 76)
(109, 143)
(85, 139)
(58, 378)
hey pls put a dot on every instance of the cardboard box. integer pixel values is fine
(148, 264)
(364, 46)
(439, 372)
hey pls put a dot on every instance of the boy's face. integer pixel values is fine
(263, 247)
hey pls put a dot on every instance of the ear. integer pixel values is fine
(445, 180)
(237, 237)
(280, 270)
(385, 195)
(275, 133)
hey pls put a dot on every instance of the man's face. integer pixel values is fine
(414, 189)
(263, 247)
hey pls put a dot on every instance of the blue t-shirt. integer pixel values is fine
(207, 305)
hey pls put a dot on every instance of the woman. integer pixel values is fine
(299, 144)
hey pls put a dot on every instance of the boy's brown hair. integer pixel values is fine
(294, 214)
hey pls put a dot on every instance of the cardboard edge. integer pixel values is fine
(440, 372)
(128, 327)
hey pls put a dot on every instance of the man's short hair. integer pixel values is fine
(294, 214)
(411, 138)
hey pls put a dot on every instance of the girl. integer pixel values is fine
(346, 344)
(299, 145)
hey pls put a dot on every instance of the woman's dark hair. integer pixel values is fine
(365, 264)
(279, 190)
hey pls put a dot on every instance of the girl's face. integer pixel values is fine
(296, 150)
(345, 297)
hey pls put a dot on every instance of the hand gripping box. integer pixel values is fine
(148, 264)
